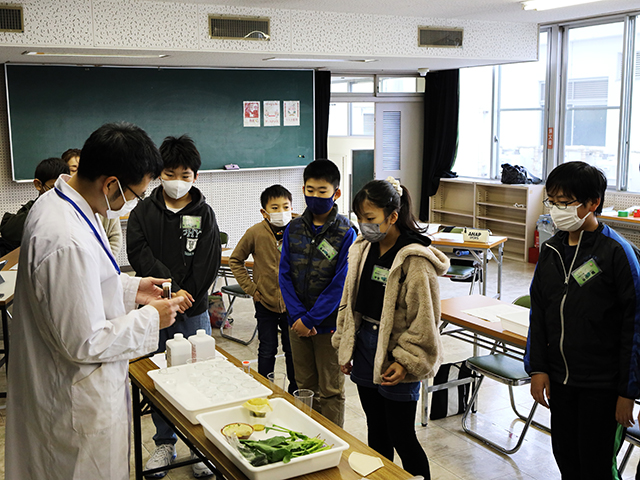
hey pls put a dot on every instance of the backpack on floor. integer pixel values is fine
(217, 310)
(454, 400)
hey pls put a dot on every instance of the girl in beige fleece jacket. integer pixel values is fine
(387, 329)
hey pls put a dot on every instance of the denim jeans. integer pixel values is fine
(268, 323)
(188, 326)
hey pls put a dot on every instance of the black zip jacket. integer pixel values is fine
(587, 336)
(183, 246)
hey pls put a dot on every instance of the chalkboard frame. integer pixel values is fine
(60, 104)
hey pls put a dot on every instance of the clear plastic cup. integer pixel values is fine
(304, 399)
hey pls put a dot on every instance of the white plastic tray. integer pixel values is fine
(285, 415)
(516, 322)
(203, 386)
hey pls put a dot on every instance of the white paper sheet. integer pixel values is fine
(491, 313)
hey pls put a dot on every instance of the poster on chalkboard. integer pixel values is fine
(271, 113)
(291, 113)
(251, 114)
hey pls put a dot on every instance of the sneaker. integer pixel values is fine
(200, 469)
(162, 456)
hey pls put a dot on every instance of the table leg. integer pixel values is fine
(137, 431)
(499, 259)
(484, 271)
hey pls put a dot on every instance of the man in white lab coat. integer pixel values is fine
(75, 323)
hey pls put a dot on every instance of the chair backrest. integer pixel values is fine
(224, 239)
(523, 301)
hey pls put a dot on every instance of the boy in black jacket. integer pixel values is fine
(582, 347)
(173, 234)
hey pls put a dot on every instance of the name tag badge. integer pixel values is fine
(380, 274)
(586, 272)
(327, 250)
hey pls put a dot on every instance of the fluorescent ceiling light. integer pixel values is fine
(549, 4)
(93, 55)
(319, 60)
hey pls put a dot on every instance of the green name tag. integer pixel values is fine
(327, 250)
(586, 272)
(380, 274)
(190, 221)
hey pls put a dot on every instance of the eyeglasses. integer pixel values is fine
(558, 205)
(140, 198)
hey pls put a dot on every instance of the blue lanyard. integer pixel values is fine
(95, 232)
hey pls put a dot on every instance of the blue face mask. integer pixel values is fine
(318, 205)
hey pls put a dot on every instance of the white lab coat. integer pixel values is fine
(68, 405)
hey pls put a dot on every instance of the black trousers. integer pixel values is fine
(585, 435)
(390, 425)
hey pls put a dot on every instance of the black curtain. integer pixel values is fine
(323, 96)
(441, 101)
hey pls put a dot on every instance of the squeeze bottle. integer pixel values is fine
(178, 350)
(204, 346)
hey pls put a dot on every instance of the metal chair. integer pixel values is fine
(506, 370)
(233, 292)
(633, 437)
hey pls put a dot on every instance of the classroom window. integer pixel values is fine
(634, 137)
(592, 96)
(521, 94)
(474, 125)
(348, 119)
(401, 84)
(352, 84)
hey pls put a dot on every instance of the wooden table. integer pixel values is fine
(7, 290)
(481, 251)
(141, 383)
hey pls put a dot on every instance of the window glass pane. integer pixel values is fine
(338, 119)
(634, 144)
(362, 118)
(474, 124)
(521, 140)
(401, 84)
(351, 84)
(592, 89)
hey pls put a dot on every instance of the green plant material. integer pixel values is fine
(280, 448)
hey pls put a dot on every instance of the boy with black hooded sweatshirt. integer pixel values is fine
(173, 234)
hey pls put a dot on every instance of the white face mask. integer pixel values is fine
(176, 189)
(567, 219)
(126, 208)
(280, 219)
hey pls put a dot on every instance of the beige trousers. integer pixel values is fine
(316, 365)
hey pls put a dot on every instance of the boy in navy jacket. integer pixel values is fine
(313, 268)
(585, 311)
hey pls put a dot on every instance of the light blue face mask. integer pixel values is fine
(371, 231)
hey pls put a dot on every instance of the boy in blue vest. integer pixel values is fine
(582, 348)
(313, 267)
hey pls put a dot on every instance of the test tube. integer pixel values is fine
(166, 290)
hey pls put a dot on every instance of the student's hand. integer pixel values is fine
(540, 388)
(624, 411)
(346, 369)
(302, 330)
(187, 300)
(394, 374)
(149, 290)
(257, 297)
(167, 310)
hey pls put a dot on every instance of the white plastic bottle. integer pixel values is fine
(178, 350)
(204, 346)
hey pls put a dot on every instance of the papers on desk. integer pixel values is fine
(15, 267)
(9, 285)
(492, 313)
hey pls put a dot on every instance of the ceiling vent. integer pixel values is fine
(239, 28)
(438, 37)
(11, 18)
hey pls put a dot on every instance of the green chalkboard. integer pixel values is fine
(53, 108)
